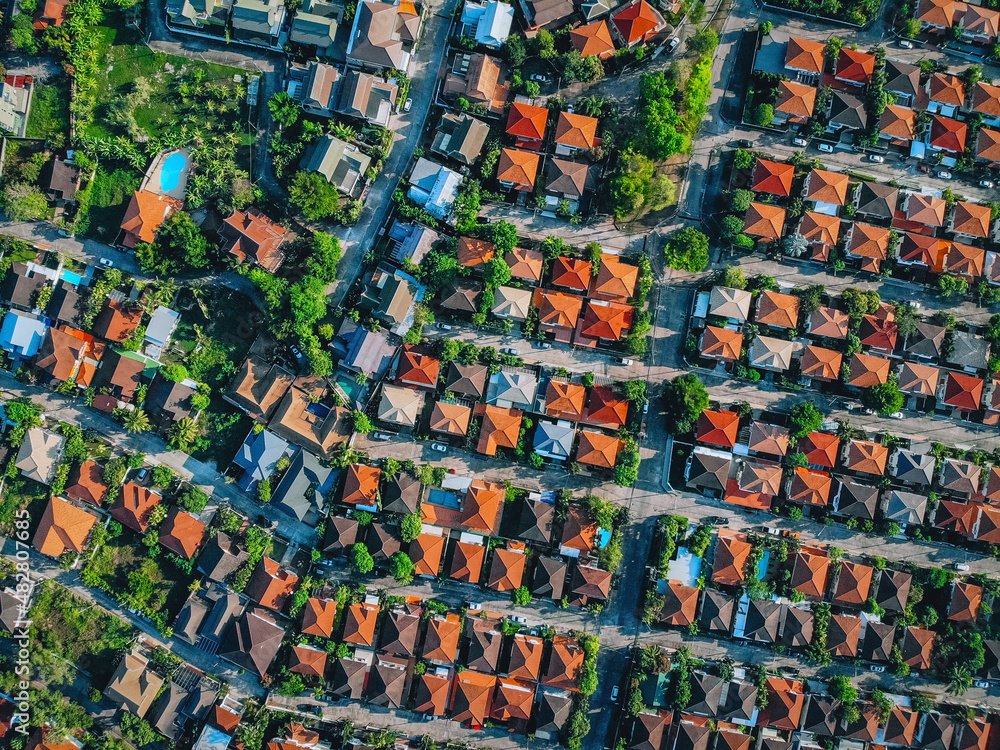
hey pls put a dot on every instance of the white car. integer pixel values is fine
(876, 158)
(896, 415)
(623, 361)
(407, 104)
(510, 351)
(986, 183)
(981, 684)
(826, 148)
(614, 693)
(906, 44)
(800, 141)
(439, 447)
(944, 174)
(107, 263)
(443, 327)
(962, 567)
(877, 668)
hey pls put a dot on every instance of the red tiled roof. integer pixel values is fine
(855, 66)
(772, 177)
(416, 368)
(606, 408)
(820, 448)
(606, 320)
(133, 506)
(527, 121)
(718, 428)
(963, 392)
(571, 272)
(182, 533)
(637, 21)
(948, 134)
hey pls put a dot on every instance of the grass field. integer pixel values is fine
(49, 116)
(109, 196)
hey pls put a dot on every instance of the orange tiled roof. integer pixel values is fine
(450, 418)
(426, 552)
(853, 584)
(606, 320)
(980, 21)
(721, 343)
(593, 39)
(578, 131)
(307, 660)
(615, 280)
(637, 21)
(87, 484)
(182, 533)
(571, 272)
(855, 66)
(804, 54)
(606, 408)
(765, 221)
(988, 145)
(965, 260)
(820, 448)
(817, 227)
(473, 253)
(557, 309)
(361, 485)
(467, 562)
(827, 187)
(796, 99)
(144, 215)
(868, 241)
(866, 456)
(731, 555)
(918, 379)
(63, 527)
(923, 249)
(133, 506)
(416, 368)
(820, 363)
(499, 430)
(972, 219)
(937, 12)
(772, 177)
(525, 264)
(565, 664)
(779, 310)
(925, 209)
(986, 98)
(947, 89)
(481, 506)
(718, 428)
(564, 400)
(810, 487)
(809, 574)
(359, 626)
(899, 122)
(527, 121)
(473, 697)
(518, 167)
(597, 449)
(318, 616)
(965, 601)
(507, 571)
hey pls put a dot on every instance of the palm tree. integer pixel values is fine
(137, 421)
(183, 433)
(344, 132)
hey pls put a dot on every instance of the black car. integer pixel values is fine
(743, 143)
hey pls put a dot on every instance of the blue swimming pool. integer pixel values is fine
(72, 278)
(170, 172)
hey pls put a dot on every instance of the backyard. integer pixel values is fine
(49, 116)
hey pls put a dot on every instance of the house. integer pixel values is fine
(315, 25)
(868, 243)
(902, 79)
(302, 489)
(120, 374)
(785, 703)
(820, 449)
(361, 486)
(875, 200)
(460, 137)
(525, 264)
(390, 295)
(258, 23)
(450, 419)
(168, 401)
(854, 67)
(488, 22)
(480, 79)
(569, 181)
(550, 577)
(719, 428)
(979, 24)
(680, 605)
(708, 470)
(221, 557)
(924, 209)
(251, 236)
(252, 641)
(808, 487)
(962, 392)
(302, 420)
(467, 562)
(571, 273)
(63, 528)
(733, 304)
(133, 685)
(50, 13)
(809, 574)
(441, 638)
(540, 13)
(947, 90)
(21, 286)
(432, 694)
(535, 522)
(821, 364)
(554, 440)
(66, 304)
(615, 280)
(387, 682)
(256, 389)
(416, 369)
(307, 660)
(473, 697)
(564, 400)
(772, 177)
(847, 112)
(349, 677)
(777, 310)
(182, 533)
(467, 380)
(426, 552)
(731, 555)
(948, 134)
(971, 220)
(117, 320)
(384, 34)
(507, 569)
(59, 180)
(575, 133)
(605, 408)
(804, 56)
(764, 221)
(770, 353)
(317, 90)
(86, 483)
(512, 389)
(636, 23)
(434, 187)
(593, 39)
(160, 329)
(342, 164)
(968, 351)
(145, 213)
(853, 584)
(400, 406)
(133, 506)
(986, 98)
(39, 455)
(366, 97)
(826, 187)
(67, 354)
(460, 296)
(557, 312)
(517, 169)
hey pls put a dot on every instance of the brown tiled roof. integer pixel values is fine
(853, 584)
(965, 260)
(965, 601)
(843, 636)
(985, 96)
(63, 527)
(809, 574)
(937, 12)
(360, 623)
(452, 419)
(918, 644)
(133, 506)
(565, 664)
(988, 145)
(768, 438)
(467, 380)
(318, 616)
(827, 187)
(461, 296)
(182, 533)
(901, 726)
(972, 219)
(307, 660)
(467, 562)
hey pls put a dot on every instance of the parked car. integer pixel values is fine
(981, 684)
(826, 148)
(645, 408)
(518, 618)
(510, 350)
(877, 668)
(107, 263)
(896, 415)
(614, 693)
(381, 436)
(672, 44)
(986, 183)
(443, 327)
(716, 520)
(473, 605)
(876, 158)
(295, 353)
(544, 345)
(743, 143)
(407, 105)
(143, 473)
(906, 44)
(944, 174)
(961, 566)
(800, 141)
(622, 361)
(439, 447)
(538, 77)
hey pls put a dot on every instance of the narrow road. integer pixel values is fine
(357, 240)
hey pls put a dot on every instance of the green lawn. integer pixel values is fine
(166, 110)
(49, 114)
(109, 196)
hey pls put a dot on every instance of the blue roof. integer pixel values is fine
(554, 440)
(258, 456)
(22, 333)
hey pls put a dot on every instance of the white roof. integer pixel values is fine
(162, 325)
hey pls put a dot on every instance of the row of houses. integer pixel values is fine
(975, 24)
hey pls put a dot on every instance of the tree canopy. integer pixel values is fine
(684, 399)
(687, 250)
(179, 246)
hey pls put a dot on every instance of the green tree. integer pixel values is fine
(684, 399)
(805, 418)
(521, 596)
(840, 688)
(952, 285)
(361, 559)
(731, 226)
(179, 246)
(740, 200)
(313, 195)
(284, 109)
(687, 250)
(497, 272)
(911, 28)
(402, 568)
(137, 421)
(703, 42)
(193, 499)
(362, 424)
(183, 433)
(885, 398)
(763, 115)
(23, 202)
(410, 527)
